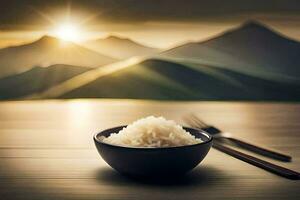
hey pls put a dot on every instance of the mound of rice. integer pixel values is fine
(152, 132)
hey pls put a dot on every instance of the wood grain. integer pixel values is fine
(47, 152)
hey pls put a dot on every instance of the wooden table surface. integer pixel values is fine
(47, 151)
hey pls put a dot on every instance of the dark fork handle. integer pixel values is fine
(248, 146)
(276, 169)
(258, 149)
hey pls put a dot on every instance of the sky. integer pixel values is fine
(159, 23)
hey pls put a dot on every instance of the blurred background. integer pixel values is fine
(151, 49)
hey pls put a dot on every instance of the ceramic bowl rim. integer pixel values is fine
(209, 137)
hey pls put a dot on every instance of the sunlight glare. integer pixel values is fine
(68, 32)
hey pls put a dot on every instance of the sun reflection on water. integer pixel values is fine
(79, 114)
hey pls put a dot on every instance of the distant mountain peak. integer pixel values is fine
(48, 50)
(120, 47)
(252, 48)
(117, 39)
(254, 26)
(251, 28)
(47, 39)
(114, 37)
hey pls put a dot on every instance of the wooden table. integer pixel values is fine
(47, 151)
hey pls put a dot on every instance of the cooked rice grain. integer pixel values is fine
(152, 132)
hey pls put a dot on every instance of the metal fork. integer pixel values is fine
(195, 121)
(273, 168)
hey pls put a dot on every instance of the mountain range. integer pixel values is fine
(250, 62)
(48, 51)
(251, 48)
(37, 80)
(159, 79)
(120, 48)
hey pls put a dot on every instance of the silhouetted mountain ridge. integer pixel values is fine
(48, 51)
(117, 38)
(250, 62)
(159, 79)
(37, 80)
(251, 48)
(119, 47)
(47, 39)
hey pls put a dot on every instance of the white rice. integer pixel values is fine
(152, 132)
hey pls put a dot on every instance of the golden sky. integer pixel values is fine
(163, 35)
(158, 23)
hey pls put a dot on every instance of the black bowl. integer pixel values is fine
(167, 161)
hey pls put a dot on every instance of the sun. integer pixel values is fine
(68, 32)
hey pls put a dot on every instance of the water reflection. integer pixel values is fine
(79, 114)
